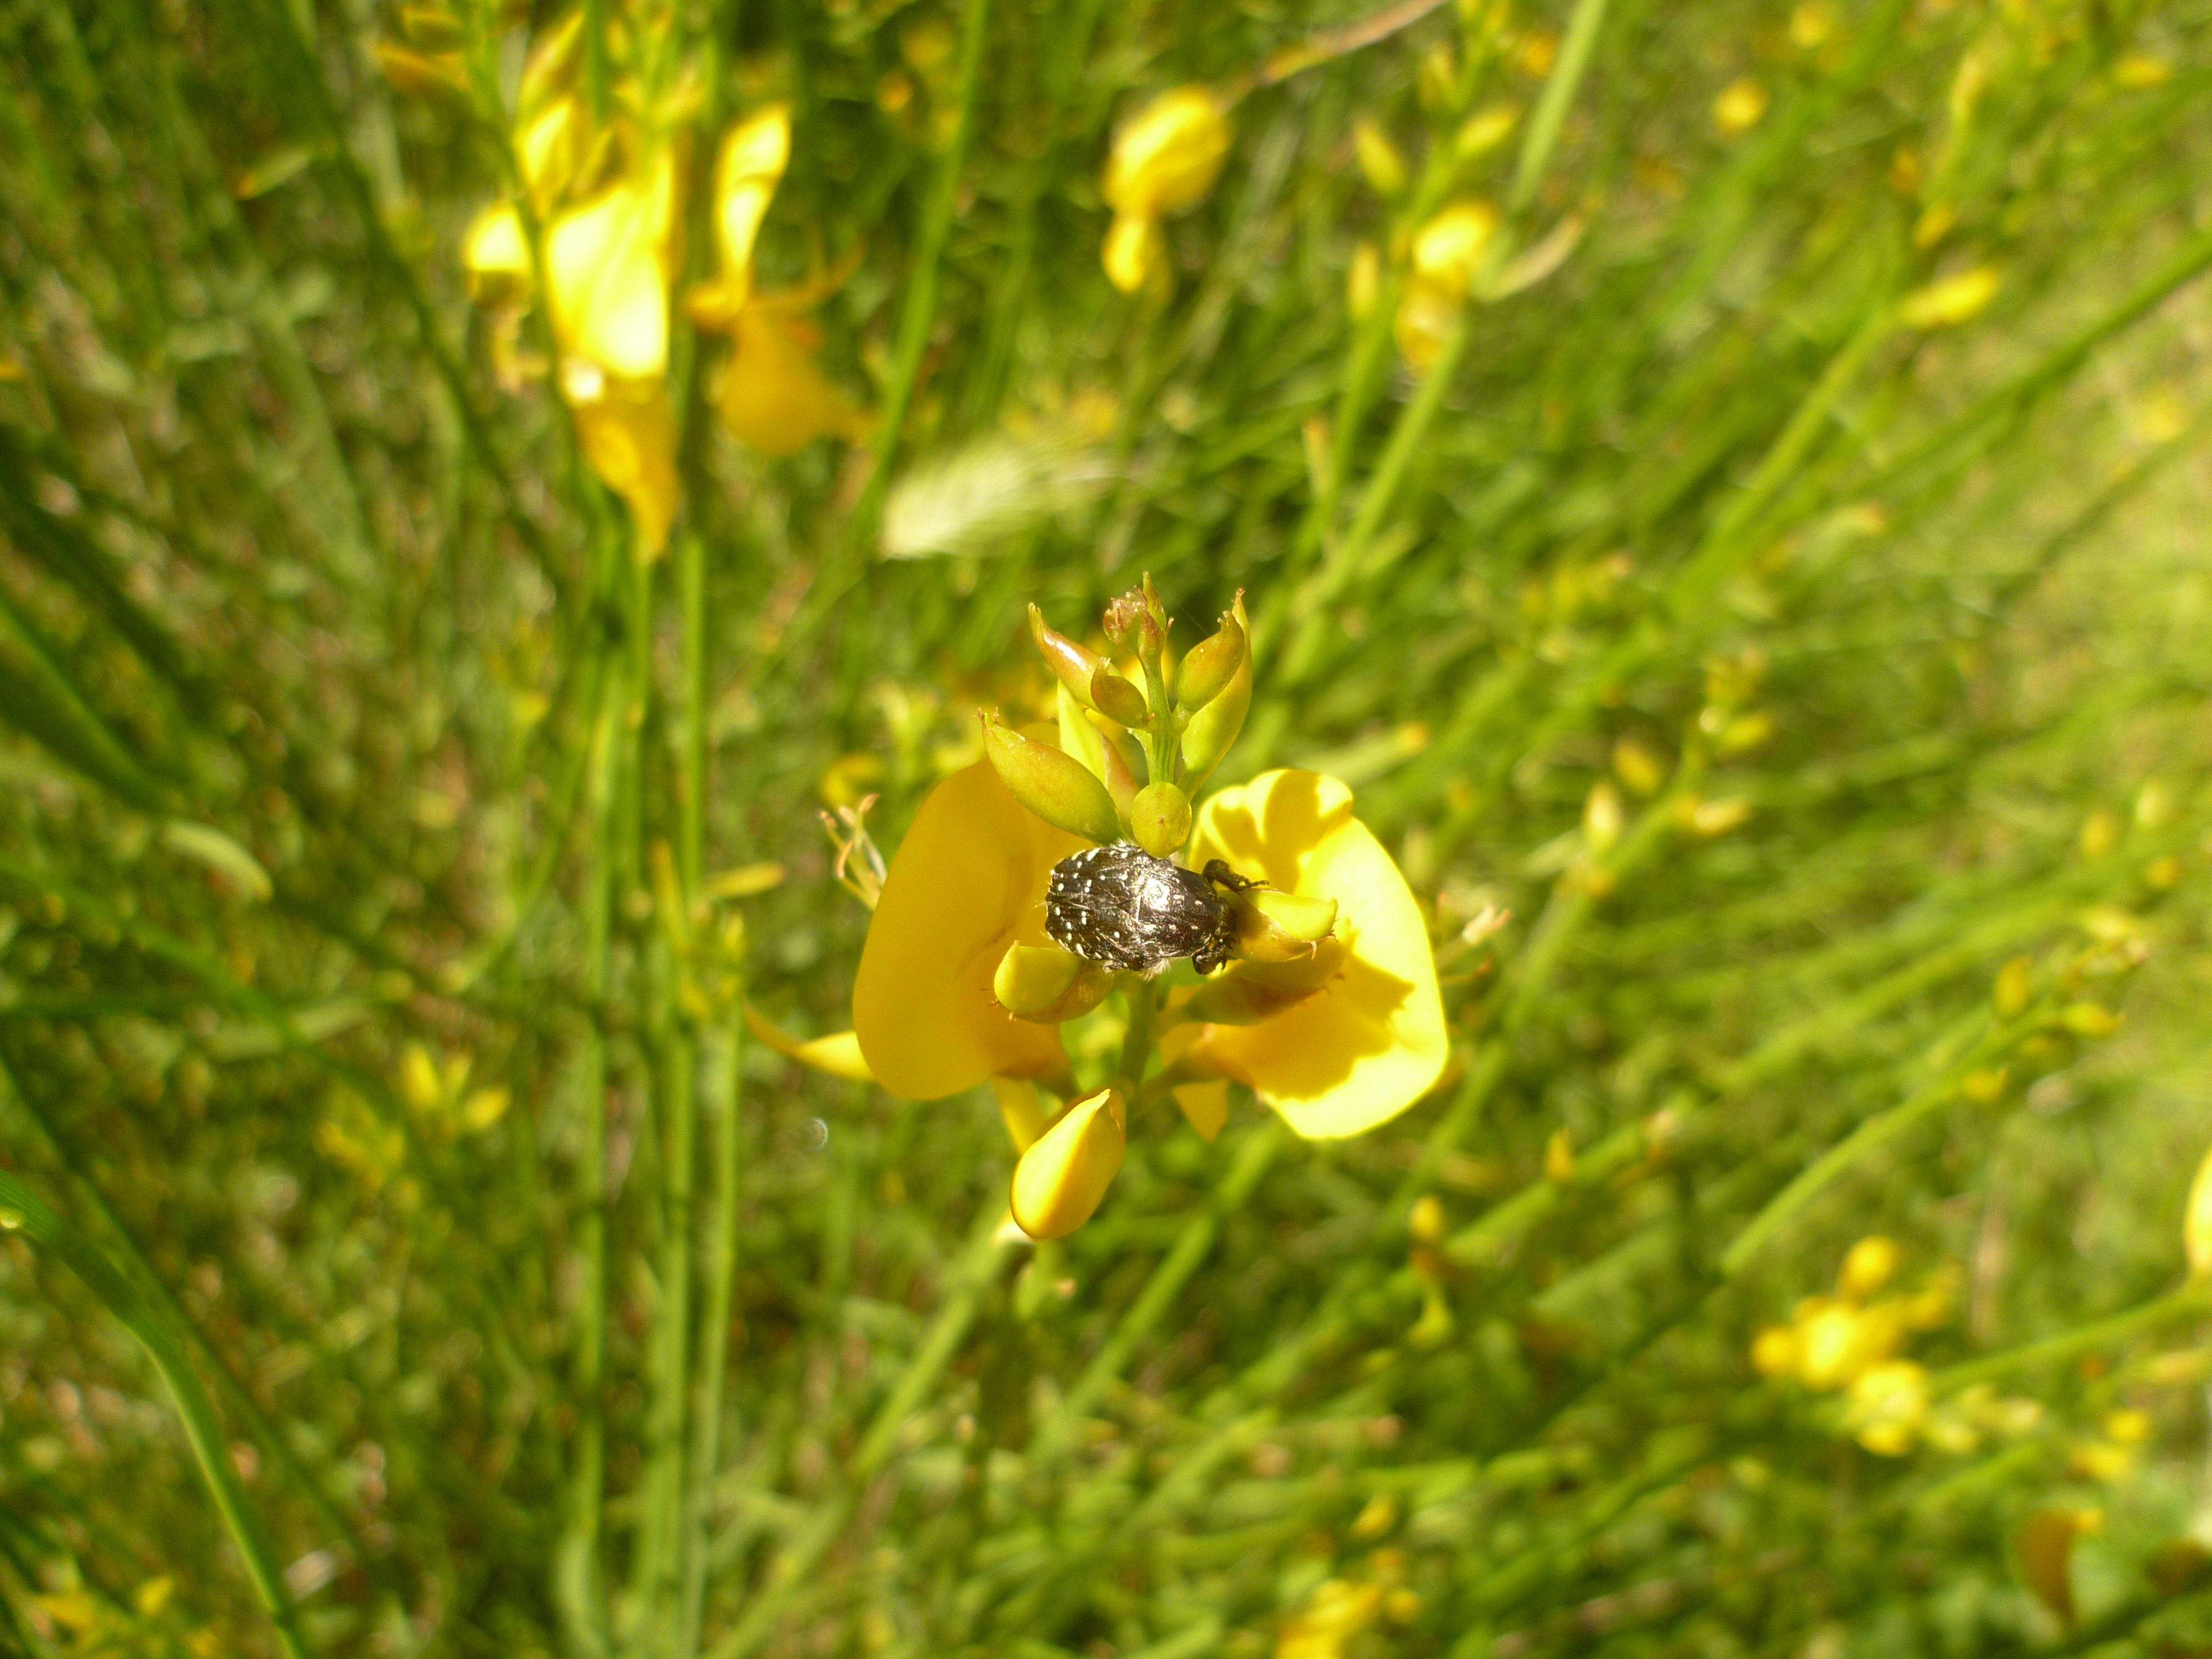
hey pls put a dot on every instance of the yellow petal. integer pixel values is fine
(1205, 1106)
(753, 157)
(838, 1054)
(1134, 246)
(1372, 1041)
(629, 435)
(607, 270)
(773, 396)
(497, 255)
(1061, 1179)
(1952, 299)
(1448, 249)
(968, 881)
(1022, 1108)
(1169, 154)
(2196, 1224)
(548, 147)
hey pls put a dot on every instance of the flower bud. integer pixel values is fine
(1602, 819)
(1448, 249)
(1209, 665)
(2015, 988)
(1214, 727)
(1378, 157)
(1124, 620)
(1054, 785)
(1134, 249)
(1167, 156)
(1867, 1266)
(2089, 1019)
(1950, 301)
(2197, 1221)
(1362, 282)
(1045, 985)
(1159, 819)
(1250, 993)
(1072, 664)
(1061, 1179)
(1118, 699)
(1279, 926)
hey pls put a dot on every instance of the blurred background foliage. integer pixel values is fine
(1772, 638)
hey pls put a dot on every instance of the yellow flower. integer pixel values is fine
(1354, 1034)
(968, 881)
(771, 394)
(1164, 160)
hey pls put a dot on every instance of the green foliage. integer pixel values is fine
(1788, 629)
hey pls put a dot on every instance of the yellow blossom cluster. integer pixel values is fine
(597, 225)
(1322, 1000)
(1849, 1344)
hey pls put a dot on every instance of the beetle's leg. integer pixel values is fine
(1221, 875)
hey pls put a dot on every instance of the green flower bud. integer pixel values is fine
(1061, 1179)
(1071, 664)
(1118, 699)
(1210, 665)
(1274, 926)
(1159, 819)
(1054, 785)
(1213, 728)
(1045, 985)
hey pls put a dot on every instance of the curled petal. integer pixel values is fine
(968, 881)
(746, 172)
(1372, 1040)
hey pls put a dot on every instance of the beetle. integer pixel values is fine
(1120, 907)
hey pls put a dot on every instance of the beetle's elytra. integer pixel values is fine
(1122, 908)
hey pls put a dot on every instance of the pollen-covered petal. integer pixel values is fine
(968, 881)
(1372, 1041)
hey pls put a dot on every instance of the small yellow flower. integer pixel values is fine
(609, 265)
(1340, 1056)
(968, 881)
(771, 394)
(1741, 107)
(1886, 1406)
(1165, 160)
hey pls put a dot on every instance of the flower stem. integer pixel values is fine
(1140, 997)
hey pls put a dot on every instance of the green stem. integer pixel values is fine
(1559, 95)
(916, 319)
(725, 1048)
(20, 1211)
(577, 1580)
(2192, 1300)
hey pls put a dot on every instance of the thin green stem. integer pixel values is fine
(21, 1210)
